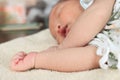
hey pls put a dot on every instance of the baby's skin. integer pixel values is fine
(23, 61)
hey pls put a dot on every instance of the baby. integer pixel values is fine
(67, 24)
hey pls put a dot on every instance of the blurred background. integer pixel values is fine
(20, 18)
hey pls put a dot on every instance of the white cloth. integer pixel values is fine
(108, 41)
(39, 42)
(86, 3)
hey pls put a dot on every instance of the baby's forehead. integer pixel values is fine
(63, 7)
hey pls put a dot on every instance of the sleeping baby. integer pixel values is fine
(84, 42)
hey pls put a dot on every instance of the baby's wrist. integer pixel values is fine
(33, 57)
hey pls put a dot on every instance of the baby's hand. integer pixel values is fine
(22, 61)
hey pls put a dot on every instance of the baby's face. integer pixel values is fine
(62, 17)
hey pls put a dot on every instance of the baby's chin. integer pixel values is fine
(60, 40)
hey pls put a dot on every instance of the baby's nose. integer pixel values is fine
(58, 29)
(62, 30)
(58, 26)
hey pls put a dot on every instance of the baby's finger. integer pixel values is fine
(16, 61)
(19, 55)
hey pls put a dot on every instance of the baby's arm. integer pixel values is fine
(89, 24)
(66, 60)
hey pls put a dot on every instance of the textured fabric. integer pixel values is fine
(108, 41)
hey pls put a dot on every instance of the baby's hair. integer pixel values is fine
(61, 1)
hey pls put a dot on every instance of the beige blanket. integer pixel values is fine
(38, 42)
